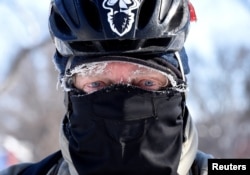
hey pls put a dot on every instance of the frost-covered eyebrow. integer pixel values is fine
(98, 68)
(89, 69)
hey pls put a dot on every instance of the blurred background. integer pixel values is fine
(31, 104)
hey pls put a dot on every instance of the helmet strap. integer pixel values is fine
(66, 94)
(177, 54)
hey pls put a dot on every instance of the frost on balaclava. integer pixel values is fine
(127, 130)
(61, 61)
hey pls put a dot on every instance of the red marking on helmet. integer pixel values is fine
(193, 17)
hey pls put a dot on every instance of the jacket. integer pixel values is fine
(56, 165)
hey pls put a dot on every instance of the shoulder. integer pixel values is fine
(201, 162)
(15, 169)
(39, 168)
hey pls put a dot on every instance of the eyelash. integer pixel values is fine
(97, 85)
(94, 86)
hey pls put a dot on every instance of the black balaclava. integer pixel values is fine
(125, 130)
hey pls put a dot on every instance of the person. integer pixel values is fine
(123, 66)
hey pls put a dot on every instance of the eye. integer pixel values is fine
(93, 86)
(149, 84)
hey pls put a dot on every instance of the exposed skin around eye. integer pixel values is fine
(149, 84)
(94, 86)
(91, 84)
(122, 73)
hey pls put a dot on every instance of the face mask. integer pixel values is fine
(125, 130)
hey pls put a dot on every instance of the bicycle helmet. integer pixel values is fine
(105, 27)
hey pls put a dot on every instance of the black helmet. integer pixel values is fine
(92, 27)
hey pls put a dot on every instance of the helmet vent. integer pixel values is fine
(61, 24)
(92, 15)
(146, 12)
(165, 7)
(177, 19)
(83, 46)
(108, 45)
(162, 42)
(119, 45)
(70, 5)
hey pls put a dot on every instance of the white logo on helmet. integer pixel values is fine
(120, 15)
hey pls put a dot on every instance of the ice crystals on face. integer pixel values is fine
(88, 69)
(95, 68)
(98, 68)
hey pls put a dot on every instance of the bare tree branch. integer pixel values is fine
(18, 59)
